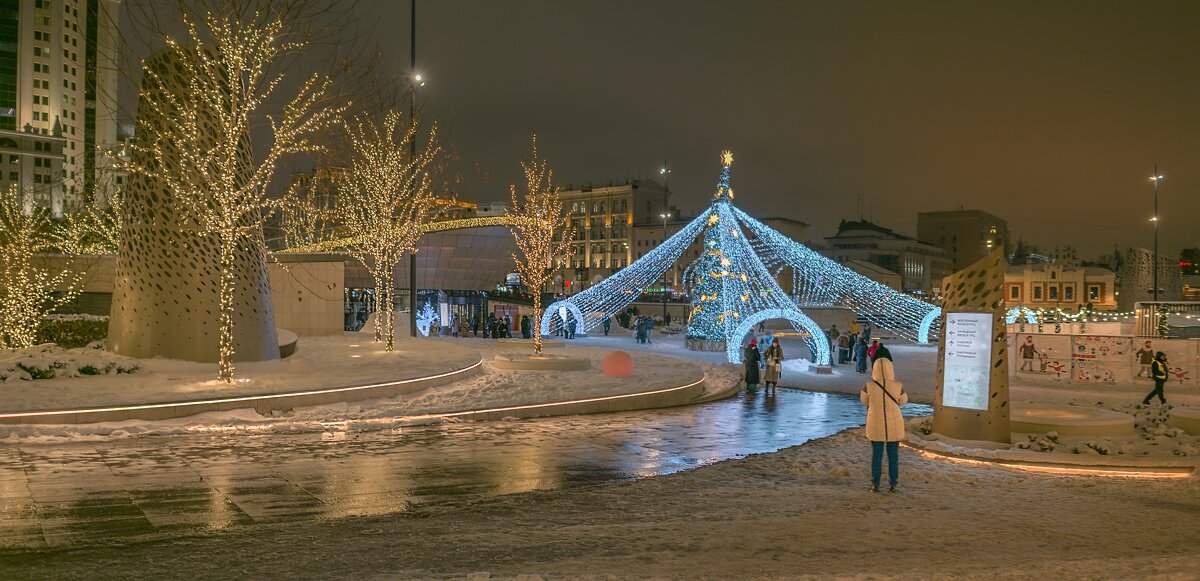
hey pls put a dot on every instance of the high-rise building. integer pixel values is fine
(966, 235)
(58, 82)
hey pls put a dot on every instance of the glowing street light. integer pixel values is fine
(1157, 177)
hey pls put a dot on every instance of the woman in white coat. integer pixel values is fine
(885, 424)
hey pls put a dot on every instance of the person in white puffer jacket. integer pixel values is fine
(883, 395)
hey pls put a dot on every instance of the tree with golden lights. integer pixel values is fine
(386, 200)
(307, 211)
(535, 219)
(203, 156)
(31, 286)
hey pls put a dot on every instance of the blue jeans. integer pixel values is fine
(893, 454)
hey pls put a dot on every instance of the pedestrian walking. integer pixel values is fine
(454, 326)
(639, 329)
(571, 326)
(773, 369)
(855, 330)
(867, 332)
(607, 325)
(1158, 372)
(526, 327)
(751, 360)
(883, 395)
(649, 328)
(833, 352)
(474, 326)
(860, 356)
(872, 349)
(507, 327)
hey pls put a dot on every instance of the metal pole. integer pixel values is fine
(1156, 180)
(666, 172)
(412, 108)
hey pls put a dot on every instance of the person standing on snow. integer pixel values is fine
(860, 356)
(774, 366)
(751, 359)
(883, 395)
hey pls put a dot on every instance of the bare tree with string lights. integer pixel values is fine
(202, 156)
(536, 220)
(386, 200)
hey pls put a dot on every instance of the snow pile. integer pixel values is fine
(49, 361)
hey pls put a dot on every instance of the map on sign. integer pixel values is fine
(968, 363)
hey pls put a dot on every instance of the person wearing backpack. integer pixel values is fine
(883, 395)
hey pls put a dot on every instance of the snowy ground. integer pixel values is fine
(358, 361)
(799, 513)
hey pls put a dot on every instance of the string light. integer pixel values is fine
(388, 197)
(533, 221)
(30, 288)
(195, 128)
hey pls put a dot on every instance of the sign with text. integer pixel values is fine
(968, 364)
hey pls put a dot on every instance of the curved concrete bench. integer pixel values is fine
(287, 342)
(1071, 421)
(1186, 419)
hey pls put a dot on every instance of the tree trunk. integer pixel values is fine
(225, 304)
(537, 321)
(389, 327)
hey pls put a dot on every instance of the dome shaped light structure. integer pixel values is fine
(732, 288)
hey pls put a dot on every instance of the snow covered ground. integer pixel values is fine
(337, 361)
(804, 512)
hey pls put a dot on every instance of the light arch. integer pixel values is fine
(552, 311)
(816, 341)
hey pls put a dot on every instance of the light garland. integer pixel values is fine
(30, 288)
(387, 197)
(535, 218)
(202, 156)
(732, 286)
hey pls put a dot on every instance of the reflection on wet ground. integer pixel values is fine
(66, 494)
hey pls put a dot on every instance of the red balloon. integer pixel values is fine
(617, 364)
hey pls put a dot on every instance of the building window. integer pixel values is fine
(1068, 293)
(1093, 293)
(1037, 293)
(1053, 293)
(1014, 292)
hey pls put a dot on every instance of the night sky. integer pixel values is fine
(1048, 114)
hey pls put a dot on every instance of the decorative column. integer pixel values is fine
(167, 279)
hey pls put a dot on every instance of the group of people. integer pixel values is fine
(493, 327)
(643, 327)
(770, 362)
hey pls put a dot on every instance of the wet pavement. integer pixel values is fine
(54, 495)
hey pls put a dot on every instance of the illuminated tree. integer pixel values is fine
(203, 155)
(385, 202)
(31, 285)
(307, 211)
(535, 218)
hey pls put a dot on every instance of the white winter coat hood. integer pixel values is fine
(885, 423)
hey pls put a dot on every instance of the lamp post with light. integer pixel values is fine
(417, 80)
(1155, 179)
(665, 172)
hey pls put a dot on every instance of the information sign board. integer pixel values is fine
(968, 363)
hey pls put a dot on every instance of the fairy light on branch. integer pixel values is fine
(203, 155)
(387, 198)
(536, 216)
(31, 287)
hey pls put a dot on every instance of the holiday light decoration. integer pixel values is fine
(733, 284)
(536, 217)
(307, 216)
(203, 155)
(29, 287)
(388, 198)
(425, 318)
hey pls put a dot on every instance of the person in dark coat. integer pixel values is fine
(751, 360)
(501, 330)
(572, 325)
(1158, 372)
(881, 353)
(607, 325)
(525, 334)
(860, 356)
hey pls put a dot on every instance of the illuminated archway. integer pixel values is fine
(816, 340)
(553, 311)
(926, 323)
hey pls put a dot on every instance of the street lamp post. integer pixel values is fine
(665, 172)
(1155, 179)
(412, 150)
